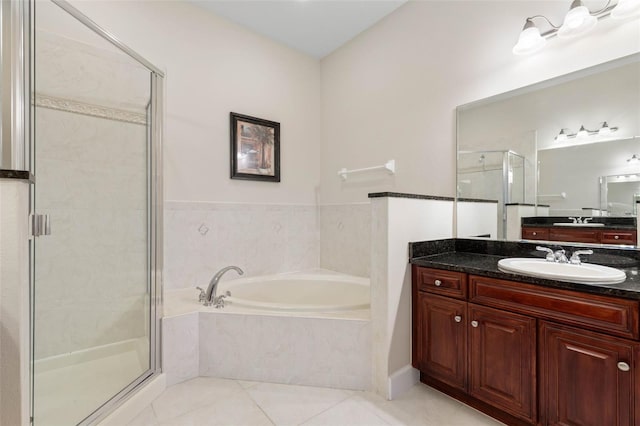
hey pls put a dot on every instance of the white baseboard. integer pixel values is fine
(401, 381)
(138, 402)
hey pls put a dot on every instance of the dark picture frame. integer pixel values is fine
(255, 148)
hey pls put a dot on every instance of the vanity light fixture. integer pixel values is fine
(584, 132)
(578, 21)
(635, 159)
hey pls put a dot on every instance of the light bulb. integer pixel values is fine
(582, 133)
(626, 9)
(578, 21)
(530, 40)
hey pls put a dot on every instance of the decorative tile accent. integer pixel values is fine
(201, 238)
(91, 110)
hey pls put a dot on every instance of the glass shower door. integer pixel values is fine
(93, 315)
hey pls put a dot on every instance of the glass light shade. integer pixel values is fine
(578, 21)
(582, 133)
(530, 41)
(562, 136)
(634, 159)
(626, 9)
(604, 130)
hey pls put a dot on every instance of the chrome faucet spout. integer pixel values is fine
(210, 294)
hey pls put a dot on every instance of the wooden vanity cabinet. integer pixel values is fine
(502, 360)
(527, 354)
(580, 235)
(587, 378)
(442, 339)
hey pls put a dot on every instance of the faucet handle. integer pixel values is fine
(587, 219)
(574, 219)
(575, 257)
(203, 294)
(550, 256)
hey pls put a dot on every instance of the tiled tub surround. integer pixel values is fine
(309, 348)
(262, 239)
(345, 242)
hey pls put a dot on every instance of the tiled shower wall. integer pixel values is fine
(91, 148)
(203, 237)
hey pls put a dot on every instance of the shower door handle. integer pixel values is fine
(40, 225)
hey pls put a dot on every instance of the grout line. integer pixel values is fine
(246, 391)
(328, 408)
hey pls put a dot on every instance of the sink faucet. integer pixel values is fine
(557, 256)
(575, 257)
(209, 297)
(576, 219)
(560, 256)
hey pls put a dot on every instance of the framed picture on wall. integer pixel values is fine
(255, 148)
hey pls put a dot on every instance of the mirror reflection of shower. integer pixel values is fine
(492, 175)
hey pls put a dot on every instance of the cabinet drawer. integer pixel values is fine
(618, 237)
(535, 233)
(446, 283)
(574, 235)
(611, 315)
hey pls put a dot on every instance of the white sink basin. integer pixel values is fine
(581, 225)
(585, 273)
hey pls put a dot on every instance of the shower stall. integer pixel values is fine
(492, 175)
(92, 119)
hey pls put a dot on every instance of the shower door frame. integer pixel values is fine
(155, 194)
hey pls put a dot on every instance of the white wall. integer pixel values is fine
(392, 91)
(394, 223)
(14, 305)
(214, 67)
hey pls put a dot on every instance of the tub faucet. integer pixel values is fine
(209, 297)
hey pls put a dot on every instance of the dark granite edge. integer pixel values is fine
(403, 195)
(476, 200)
(606, 227)
(527, 204)
(17, 174)
(562, 285)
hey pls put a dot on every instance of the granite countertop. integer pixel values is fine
(582, 228)
(609, 222)
(471, 257)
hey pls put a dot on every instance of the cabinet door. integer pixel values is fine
(441, 339)
(502, 360)
(586, 378)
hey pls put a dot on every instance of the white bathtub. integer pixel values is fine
(299, 292)
(303, 328)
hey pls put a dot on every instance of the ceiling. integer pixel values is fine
(315, 27)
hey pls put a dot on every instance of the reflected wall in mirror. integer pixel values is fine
(525, 152)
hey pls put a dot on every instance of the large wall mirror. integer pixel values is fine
(555, 161)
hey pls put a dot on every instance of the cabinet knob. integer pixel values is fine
(438, 283)
(457, 318)
(623, 366)
(474, 323)
(616, 237)
(534, 234)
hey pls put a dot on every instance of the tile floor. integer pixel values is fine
(209, 401)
